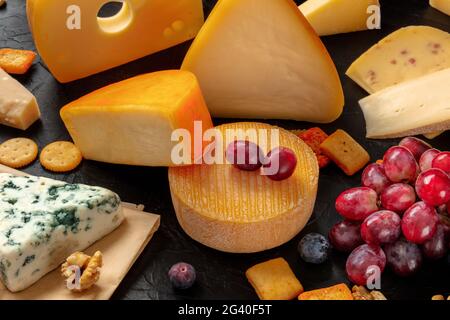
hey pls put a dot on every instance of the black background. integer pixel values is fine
(221, 275)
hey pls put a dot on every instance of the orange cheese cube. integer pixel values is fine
(274, 280)
(337, 292)
(131, 122)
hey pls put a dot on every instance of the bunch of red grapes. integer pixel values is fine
(400, 215)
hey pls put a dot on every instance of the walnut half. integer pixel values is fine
(361, 293)
(81, 270)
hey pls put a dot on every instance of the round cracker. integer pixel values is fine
(18, 152)
(60, 156)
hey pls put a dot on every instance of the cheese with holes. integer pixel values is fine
(43, 221)
(441, 5)
(238, 211)
(18, 106)
(329, 17)
(131, 122)
(405, 54)
(261, 59)
(75, 43)
(414, 107)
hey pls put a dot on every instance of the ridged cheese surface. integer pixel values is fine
(239, 211)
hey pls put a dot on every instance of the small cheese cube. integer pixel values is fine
(337, 292)
(131, 122)
(274, 280)
(348, 154)
(18, 106)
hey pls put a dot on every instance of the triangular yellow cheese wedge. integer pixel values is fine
(261, 59)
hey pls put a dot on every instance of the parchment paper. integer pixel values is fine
(120, 250)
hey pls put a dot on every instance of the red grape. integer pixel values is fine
(400, 165)
(245, 155)
(345, 236)
(375, 178)
(416, 146)
(381, 227)
(427, 158)
(419, 223)
(362, 261)
(433, 187)
(436, 247)
(280, 164)
(442, 161)
(398, 197)
(403, 257)
(357, 203)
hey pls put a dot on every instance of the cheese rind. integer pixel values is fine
(261, 59)
(131, 122)
(405, 54)
(139, 29)
(240, 211)
(329, 17)
(42, 221)
(414, 107)
(441, 5)
(18, 106)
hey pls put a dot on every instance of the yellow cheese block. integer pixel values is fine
(75, 43)
(405, 54)
(441, 5)
(131, 122)
(261, 59)
(329, 17)
(18, 106)
(413, 107)
(239, 211)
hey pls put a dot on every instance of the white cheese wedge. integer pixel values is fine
(329, 17)
(43, 221)
(18, 106)
(441, 5)
(261, 59)
(414, 107)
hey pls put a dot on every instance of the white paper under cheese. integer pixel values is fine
(42, 221)
(414, 107)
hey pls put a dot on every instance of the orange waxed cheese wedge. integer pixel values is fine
(239, 211)
(131, 122)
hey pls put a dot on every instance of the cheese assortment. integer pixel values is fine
(237, 211)
(18, 106)
(44, 221)
(131, 122)
(414, 107)
(329, 17)
(441, 5)
(405, 54)
(75, 43)
(261, 59)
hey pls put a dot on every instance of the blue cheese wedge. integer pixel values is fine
(42, 221)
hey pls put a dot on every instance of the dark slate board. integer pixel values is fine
(221, 275)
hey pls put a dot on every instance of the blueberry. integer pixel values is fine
(182, 275)
(314, 248)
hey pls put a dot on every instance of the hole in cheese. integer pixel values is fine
(114, 16)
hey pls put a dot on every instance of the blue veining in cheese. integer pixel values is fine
(42, 221)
